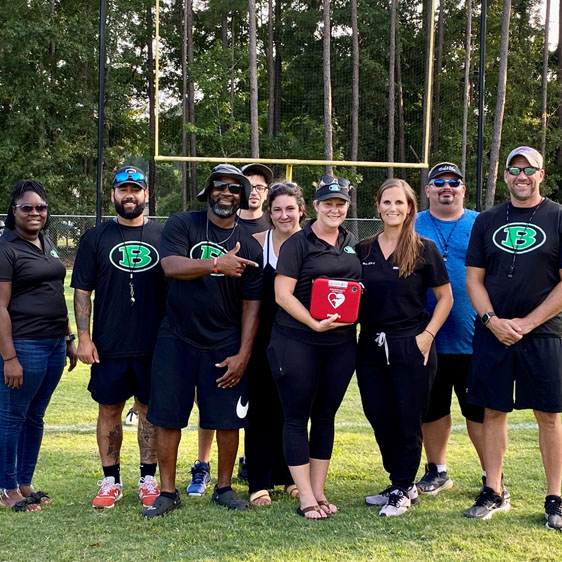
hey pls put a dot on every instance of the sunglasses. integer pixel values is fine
(124, 176)
(27, 209)
(515, 171)
(331, 180)
(234, 188)
(276, 186)
(441, 183)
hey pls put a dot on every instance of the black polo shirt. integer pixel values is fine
(305, 257)
(37, 306)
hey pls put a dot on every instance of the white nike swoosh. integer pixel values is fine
(241, 411)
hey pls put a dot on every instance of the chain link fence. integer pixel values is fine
(66, 230)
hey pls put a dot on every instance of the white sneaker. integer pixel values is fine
(382, 498)
(398, 503)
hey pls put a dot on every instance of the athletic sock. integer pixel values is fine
(147, 469)
(441, 468)
(113, 470)
(223, 490)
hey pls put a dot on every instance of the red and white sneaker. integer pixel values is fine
(109, 493)
(148, 490)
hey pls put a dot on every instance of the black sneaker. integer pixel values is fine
(242, 470)
(487, 503)
(433, 481)
(161, 506)
(505, 492)
(230, 499)
(553, 512)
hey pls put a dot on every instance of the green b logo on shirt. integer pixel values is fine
(349, 250)
(134, 256)
(519, 237)
(207, 250)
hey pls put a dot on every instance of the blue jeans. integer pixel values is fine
(22, 410)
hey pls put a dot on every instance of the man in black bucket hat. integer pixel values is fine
(207, 336)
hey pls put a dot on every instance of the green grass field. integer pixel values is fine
(70, 529)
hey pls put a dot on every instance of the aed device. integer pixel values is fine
(335, 296)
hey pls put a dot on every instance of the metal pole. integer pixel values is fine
(101, 92)
(481, 77)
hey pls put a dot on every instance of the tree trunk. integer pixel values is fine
(354, 110)
(438, 68)
(560, 77)
(391, 91)
(545, 81)
(466, 95)
(326, 67)
(500, 104)
(191, 101)
(254, 131)
(401, 126)
(270, 69)
(184, 103)
(152, 113)
(278, 70)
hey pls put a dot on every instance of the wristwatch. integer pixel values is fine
(70, 337)
(485, 318)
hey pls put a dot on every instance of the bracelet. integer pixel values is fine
(6, 360)
(430, 333)
(215, 262)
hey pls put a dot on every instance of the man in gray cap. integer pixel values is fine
(207, 335)
(514, 272)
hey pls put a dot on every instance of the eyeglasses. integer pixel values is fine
(27, 209)
(259, 188)
(234, 188)
(124, 176)
(331, 180)
(441, 183)
(515, 171)
(276, 186)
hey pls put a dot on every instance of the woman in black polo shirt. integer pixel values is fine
(34, 341)
(311, 360)
(397, 360)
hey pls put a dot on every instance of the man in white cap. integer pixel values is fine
(514, 272)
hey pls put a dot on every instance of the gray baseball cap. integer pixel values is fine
(228, 171)
(261, 169)
(533, 156)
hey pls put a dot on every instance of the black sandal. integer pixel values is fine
(22, 504)
(161, 506)
(38, 497)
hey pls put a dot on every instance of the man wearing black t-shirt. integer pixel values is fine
(119, 261)
(253, 220)
(514, 272)
(207, 335)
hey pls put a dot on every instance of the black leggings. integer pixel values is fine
(312, 380)
(395, 398)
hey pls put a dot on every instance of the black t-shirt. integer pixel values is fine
(538, 259)
(37, 306)
(397, 305)
(106, 256)
(253, 226)
(206, 312)
(305, 257)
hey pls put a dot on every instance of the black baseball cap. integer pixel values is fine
(333, 191)
(261, 169)
(229, 171)
(129, 174)
(444, 168)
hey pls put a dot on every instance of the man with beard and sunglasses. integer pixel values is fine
(207, 335)
(119, 261)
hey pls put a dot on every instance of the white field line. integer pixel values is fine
(360, 425)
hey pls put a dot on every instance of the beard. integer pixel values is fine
(223, 210)
(133, 213)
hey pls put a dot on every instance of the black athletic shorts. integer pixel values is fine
(115, 380)
(177, 369)
(452, 372)
(534, 364)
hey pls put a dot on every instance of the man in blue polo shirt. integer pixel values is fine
(449, 224)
